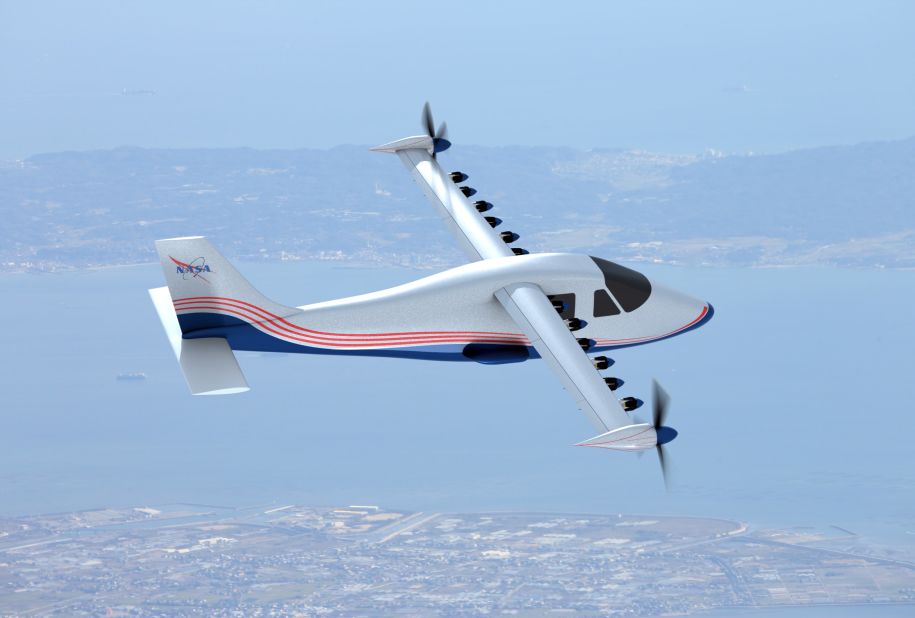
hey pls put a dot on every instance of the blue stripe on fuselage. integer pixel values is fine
(243, 336)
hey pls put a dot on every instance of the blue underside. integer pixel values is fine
(243, 336)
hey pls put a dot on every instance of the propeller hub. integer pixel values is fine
(439, 144)
(665, 434)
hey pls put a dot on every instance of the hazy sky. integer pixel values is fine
(673, 76)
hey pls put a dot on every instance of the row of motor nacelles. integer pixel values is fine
(572, 323)
(507, 236)
(600, 362)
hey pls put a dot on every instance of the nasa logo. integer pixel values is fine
(193, 269)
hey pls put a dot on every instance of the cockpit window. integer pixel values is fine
(630, 288)
(604, 305)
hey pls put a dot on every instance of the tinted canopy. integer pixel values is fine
(630, 288)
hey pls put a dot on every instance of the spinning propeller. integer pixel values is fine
(660, 401)
(439, 138)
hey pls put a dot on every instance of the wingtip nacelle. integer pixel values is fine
(432, 145)
(417, 142)
(638, 437)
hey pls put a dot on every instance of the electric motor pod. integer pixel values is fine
(467, 191)
(574, 324)
(613, 383)
(629, 403)
(482, 205)
(458, 177)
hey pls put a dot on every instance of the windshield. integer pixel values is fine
(630, 288)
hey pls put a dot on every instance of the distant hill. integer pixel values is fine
(844, 205)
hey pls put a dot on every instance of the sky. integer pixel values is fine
(666, 76)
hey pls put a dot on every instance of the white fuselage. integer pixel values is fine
(442, 313)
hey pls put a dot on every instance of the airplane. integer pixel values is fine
(506, 305)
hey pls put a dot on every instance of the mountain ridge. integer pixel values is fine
(838, 205)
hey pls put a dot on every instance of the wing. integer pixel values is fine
(530, 308)
(476, 236)
(526, 303)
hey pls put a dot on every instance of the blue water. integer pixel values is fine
(794, 405)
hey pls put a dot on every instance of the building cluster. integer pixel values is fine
(362, 560)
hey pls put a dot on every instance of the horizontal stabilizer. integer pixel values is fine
(208, 364)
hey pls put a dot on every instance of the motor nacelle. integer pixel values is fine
(630, 403)
(482, 205)
(496, 354)
(520, 251)
(601, 363)
(493, 221)
(584, 343)
(508, 236)
(574, 324)
(613, 383)
(458, 177)
(467, 191)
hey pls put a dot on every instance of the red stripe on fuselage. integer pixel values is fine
(276, 329)
(260, 314)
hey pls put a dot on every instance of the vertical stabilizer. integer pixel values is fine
(206, 292)
(205, 287)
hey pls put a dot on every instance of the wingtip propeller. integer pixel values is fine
(659, 404)
(659, 407)
(427, 121)
(665, 470)
(439, 138)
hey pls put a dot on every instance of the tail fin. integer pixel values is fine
(205, 292)
(205, 287)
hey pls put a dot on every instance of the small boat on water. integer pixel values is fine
(129, 376)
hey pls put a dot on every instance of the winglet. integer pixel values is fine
(419, 142)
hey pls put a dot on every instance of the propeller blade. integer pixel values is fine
(665, 472)
(442, 132)
(427, 121)
(659, 404)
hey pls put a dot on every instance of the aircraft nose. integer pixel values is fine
(696, 315)
(709, 313)
(685, 312)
